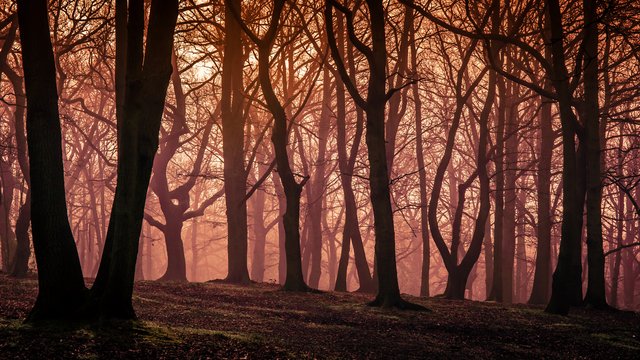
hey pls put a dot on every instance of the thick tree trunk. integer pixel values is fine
(595, 296)
(388, 290)
(456, 285)
(374, 106)
(566, 277)
(343, 262)
(146, 87)
(385, 246)
(235, 174)
(176, 263)
(235, 190)
(61, 288)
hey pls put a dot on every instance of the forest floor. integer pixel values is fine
(215, 320)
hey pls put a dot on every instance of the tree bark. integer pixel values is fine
(235, 173)
(294, 280)
(422, 177)
(374, 107)
(595, 296)
(61, 287)
(318, 184)
(496, 292)
(510, 178)
(542, 277)
(147, 78)
(346, 164)
(566, 277)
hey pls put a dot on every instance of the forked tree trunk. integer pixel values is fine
(294, 280)
(346, 162)
(146, 86)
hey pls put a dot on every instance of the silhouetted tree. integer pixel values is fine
(374, 107)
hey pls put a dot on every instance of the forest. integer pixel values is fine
(319, 179)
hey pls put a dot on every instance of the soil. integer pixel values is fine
(260, 321)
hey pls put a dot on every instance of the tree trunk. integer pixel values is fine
(374, 106)
(456, 285)
(23, 250)
(385, 246)
(566, 277)
(542, 277)
(422, 176)
(629, 258)
(521, 283)
(510, 177)
(282, 258)
(595, 296)
(488, 256)
(260, 237)
(61, 287)
(496, 292)
(176, 263)
(138, 129)
(20, 261)
(318, 184)
(235, 174)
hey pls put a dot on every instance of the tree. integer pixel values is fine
(233, 122)
(175, 200)
(292, 188)
(374, 107)
(146, 74)
(595, 295)
(62, 293)
(61, 287)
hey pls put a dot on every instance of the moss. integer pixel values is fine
(238, 336)
(621, 339)
(333, 327)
